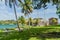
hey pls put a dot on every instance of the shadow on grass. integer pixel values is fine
(27, 34)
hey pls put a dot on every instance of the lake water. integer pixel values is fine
(7, 26)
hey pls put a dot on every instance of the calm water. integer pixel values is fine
(7, 26)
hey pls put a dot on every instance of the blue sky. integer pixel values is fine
(7, 13)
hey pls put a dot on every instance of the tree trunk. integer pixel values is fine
(16, 16)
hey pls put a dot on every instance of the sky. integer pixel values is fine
(7, 13)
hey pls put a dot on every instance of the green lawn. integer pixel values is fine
(34, 33)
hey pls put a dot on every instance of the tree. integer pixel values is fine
(22, 20)
(27, 8)
(30, 20)
(13, 3)
(37, 20)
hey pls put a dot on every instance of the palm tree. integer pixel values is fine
(36, 23)
(16, 16)
(27, 8)
(30, 20)
(22, 20)
(13, 3)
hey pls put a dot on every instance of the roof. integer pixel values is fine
(37, 18)
(52, 18)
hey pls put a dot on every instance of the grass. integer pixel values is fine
(34, 33)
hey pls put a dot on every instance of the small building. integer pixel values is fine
(36, 21)
(53, 21)
(41, 22)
